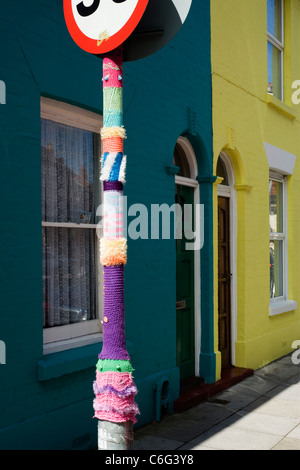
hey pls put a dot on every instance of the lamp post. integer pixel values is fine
(108, 29)
(114, 387)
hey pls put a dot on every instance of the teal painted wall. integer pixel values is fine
(46, 402)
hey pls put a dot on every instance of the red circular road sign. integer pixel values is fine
(99, 26)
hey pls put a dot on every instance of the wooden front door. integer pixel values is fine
(224, 280)
(185, 292)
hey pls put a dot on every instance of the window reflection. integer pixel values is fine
(276, 222)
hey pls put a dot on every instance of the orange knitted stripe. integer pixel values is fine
(114, 260)
(113, 144)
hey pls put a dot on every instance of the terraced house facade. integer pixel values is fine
(255, 63)
(51, 280)
(212, 121)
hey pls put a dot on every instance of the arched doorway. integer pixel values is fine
(187, 263)
(227, 236)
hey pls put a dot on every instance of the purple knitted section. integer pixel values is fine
(127, 392)
(114, 345)
(112, 186)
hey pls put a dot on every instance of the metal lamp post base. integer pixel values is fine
(115, 436)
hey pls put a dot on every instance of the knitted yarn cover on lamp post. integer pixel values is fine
(114, 387)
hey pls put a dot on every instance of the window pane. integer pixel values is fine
(69, 276)
(276, 268)
(69, 195)
(274, 19)
(276, 207)
(67, 174)
(274, 71)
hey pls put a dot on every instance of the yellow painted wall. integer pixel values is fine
(242, 121)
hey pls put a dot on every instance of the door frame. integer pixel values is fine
(230, 193)
(193, 183)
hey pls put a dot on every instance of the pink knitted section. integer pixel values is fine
(115, 392)
(119, 381)
(113, 225)
(110, 407)
(112, 73)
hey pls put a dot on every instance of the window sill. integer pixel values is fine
(280, 106)
(67, 362)
(281, 306)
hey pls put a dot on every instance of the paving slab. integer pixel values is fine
(258, 384)
(287, 444)
(230, 438)
(209, 413)
(294, 379)
(278, 371)
(177, 429)
(206, 448)
(235, 399)
(295, 433)
(261, 422)
(276, 407)
(260, 413)
(142, 442)
(290, 392)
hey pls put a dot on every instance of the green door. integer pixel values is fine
(185, 290)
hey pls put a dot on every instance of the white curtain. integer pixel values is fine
(68, 188)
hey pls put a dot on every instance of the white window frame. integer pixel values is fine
(280, 46)
(282, 236)
(282, 304)
(79, 334)
(281, 164)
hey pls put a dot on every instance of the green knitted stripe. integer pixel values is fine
(113, 99)
(110, 365)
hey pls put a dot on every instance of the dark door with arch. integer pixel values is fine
(185, 318)
(224, 280)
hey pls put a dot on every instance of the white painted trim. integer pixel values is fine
(280, 160)
(278, 306)
(282, 304)
(186, 181)
(70, 115)
(280, 46)
(69, 225)
(73, 343)
(197, 293)
(193, 183)
(191, 157)
(68, 332)
(231, 194)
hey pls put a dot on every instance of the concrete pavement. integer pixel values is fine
(260, 413)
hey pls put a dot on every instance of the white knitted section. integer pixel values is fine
(107, 166)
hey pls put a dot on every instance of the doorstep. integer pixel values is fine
(194, 391)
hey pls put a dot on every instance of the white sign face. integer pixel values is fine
(100, 26)
(183, 8)
(102, 17)
(143, 26)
